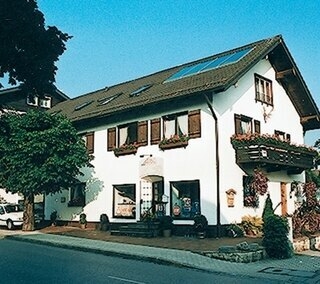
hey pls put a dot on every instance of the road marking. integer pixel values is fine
(126, 280)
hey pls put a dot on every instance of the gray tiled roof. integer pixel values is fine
(218, 79)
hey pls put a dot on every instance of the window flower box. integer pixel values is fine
(126, 149)
(175, 141)
(273, 153)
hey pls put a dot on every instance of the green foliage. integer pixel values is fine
(306, 218)
(29, 49)
(251, 225)
(268, 209)
(235, 231)
(39, 153)
(275, 239)
(200, 223)
(83, 219)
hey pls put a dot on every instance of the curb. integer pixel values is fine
(105, 252)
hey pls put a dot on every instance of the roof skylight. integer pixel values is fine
(139, 90)
(107, 100)
(81, 106)
(209, 64)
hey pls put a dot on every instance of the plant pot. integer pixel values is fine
(167, 233)
(126, 152)
(201, 235)
(83, 226)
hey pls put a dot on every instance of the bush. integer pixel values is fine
(83, 219)
(275, 238)
(235, 231)
(268, 209)
(252, 225)
(200, 223)
(104, 222)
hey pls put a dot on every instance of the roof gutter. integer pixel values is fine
(217, 168)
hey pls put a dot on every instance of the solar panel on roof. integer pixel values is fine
(209, 64)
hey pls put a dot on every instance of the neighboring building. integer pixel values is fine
(137, 133)
(14, 99)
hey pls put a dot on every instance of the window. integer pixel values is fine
(282, 135)
(176, 124)
(243, 124)
(107, 100)
(124, 201)
(32, 100)
(250, 197)
(90, 142)
(137, 92)
(185, 199)
(263, 88)
(77, 195)
(45, 102)
(82, 105)
(128, 134)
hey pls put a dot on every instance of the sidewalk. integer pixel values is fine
(300, 268)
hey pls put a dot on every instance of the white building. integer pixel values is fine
(256, 88)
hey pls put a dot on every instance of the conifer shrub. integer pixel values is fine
(275, 239)
(268, 209)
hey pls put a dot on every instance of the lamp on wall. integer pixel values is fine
(165, 199)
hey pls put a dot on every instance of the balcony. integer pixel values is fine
(273, 154)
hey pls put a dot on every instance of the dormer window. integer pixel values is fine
(263, 87)
(32, 100)
(45, 102)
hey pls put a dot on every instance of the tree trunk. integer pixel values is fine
(28, 214)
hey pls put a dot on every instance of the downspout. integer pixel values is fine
(216, 129)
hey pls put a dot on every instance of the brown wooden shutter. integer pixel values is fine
(143, 133)
(194, 125)
(155, 131)
(111, 139)
(257, 127)
(90, 142)
(237, 123)
(288, 137)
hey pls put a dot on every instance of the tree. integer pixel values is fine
(29, 49)
(40, 153)
(268, 209)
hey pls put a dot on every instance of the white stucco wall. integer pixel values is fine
(195, 162)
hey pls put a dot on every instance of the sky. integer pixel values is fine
(119, 40)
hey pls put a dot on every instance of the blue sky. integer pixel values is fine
(116, 41)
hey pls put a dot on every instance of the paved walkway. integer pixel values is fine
(304, 267)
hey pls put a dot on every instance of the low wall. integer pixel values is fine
(306, 243)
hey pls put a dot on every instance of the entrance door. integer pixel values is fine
(151, 195)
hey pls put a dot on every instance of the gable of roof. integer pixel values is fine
(157, 88)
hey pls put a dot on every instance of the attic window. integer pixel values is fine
(107, 100)
(210, 64)
(140, 90)
(81, 106)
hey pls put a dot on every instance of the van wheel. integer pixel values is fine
(10, 225)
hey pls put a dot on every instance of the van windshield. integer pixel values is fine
(13, 208)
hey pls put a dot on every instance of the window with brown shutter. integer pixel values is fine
(90, 142)
(243, 124)
(194, 124)
(143, 133)
(111, 139)
(257, 128)
(155, 131)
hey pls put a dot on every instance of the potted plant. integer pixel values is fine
(53, 218)
(83, 220)
(166, 225)
(175, 141)
(104, 222)
(200, 225)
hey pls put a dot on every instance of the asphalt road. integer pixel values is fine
(22, 262)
